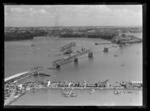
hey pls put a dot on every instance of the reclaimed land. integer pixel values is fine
(28, 33)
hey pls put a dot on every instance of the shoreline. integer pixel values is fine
(77, 37)
(68, 86)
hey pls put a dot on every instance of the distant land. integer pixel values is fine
(103, 32)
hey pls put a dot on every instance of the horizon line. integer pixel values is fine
(80, 26)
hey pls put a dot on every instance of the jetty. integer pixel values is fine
(123, 40)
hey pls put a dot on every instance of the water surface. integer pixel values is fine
(118, 64)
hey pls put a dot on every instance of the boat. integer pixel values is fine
(67, 52)
(32, 45)
(44, 74)
(65, 92)
(70, 94)
(129, 92)
(96, 43)
(93, 90)
(115, 55)
(73, 95)
(117, 92)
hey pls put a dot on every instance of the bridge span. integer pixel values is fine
(57, 63)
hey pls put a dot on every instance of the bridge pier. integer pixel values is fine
(57, 66)
(90, 54)
(76, 60)
(105, 50)
(120, 45)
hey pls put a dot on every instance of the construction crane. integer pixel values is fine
(67, 49)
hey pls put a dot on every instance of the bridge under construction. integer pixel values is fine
(74, 56)
(70, 55)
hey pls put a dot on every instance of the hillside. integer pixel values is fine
(106, 32)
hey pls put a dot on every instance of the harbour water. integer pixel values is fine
(118, 64)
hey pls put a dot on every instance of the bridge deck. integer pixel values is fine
(72, 57)
(16, 76)
(68, 46)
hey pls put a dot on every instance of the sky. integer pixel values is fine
(72, 15)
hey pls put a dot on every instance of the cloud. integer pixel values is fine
(37, 13)
(26, 11)
(21, 13)
(75, 14)
(126, 13)
(84, 11)
(18, 10)
(42, 11)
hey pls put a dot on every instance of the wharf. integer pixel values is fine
(133, 85)
(87, 88)
(11, 99)
(122, 42)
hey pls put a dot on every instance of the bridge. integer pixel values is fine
(120, 42)
(67, 46)
(16, 76)
(57, 63)
(22, 75)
